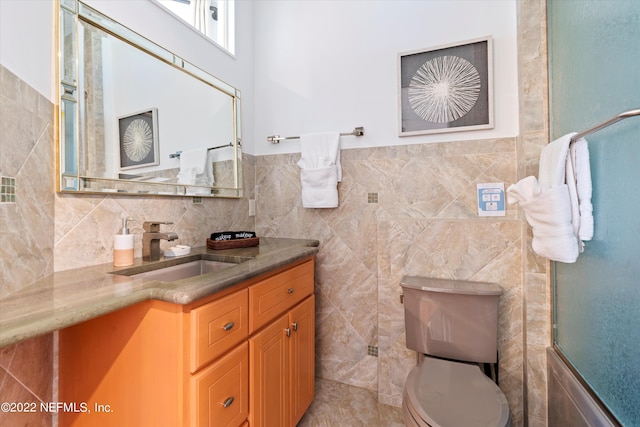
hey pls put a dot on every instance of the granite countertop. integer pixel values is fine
(73, 296)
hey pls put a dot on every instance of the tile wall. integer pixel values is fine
(26, 233)
(534, 134)
(424, 222)
(410, 210)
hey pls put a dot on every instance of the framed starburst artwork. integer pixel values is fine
(446, 88)
(139, 139)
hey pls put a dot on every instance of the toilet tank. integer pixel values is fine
(454, 319)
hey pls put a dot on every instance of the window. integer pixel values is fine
(213, 18)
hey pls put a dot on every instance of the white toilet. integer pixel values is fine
(454, 323)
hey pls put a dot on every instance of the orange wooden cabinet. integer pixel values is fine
(158, 364)
(302, 358)
(282, 353)
(161, 364)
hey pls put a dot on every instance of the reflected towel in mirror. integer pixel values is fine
(196, 168)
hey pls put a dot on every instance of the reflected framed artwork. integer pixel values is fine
(446, 88)
(139, 139)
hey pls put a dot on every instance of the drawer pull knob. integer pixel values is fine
(228, 402)
(295, 326)
(290, 290)
(288, 332)
(228, 326)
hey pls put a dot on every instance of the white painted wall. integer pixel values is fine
(27, 42)
(302, 66)
(331, 65)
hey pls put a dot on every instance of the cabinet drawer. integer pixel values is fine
(217, 327)
(220, 393)
(275, 295)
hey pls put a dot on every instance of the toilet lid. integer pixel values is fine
(453, 394)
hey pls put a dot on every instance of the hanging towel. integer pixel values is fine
(192, 163)
(563, 162)
(553, 161)
(579, 157)
(558, 204)
(196, 168)
(549, 214)
(320, 169)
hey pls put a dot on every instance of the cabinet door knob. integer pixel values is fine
(228, 326)
(295, 326)
(290, 290)
(228, 402)
(288, 332)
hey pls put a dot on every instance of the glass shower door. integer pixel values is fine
(594, 61)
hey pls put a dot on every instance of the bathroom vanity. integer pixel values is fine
(233, 347)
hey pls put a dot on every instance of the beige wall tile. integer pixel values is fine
(424, 223)
(26, 232)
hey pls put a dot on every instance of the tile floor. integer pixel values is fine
(339, 404)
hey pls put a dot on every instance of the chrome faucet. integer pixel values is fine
(151, 239)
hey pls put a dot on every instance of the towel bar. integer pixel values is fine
(612, 120)
(176, 155)
(275, 139)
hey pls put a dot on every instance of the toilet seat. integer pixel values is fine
(442, 393)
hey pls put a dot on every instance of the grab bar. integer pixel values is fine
(275, 139)
(612, 120)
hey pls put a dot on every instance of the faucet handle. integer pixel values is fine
(154, 226)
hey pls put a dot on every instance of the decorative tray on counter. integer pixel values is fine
(232, 240)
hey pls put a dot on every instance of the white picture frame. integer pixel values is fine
(138, 139)
(446, 88)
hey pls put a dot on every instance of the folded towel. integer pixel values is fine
(320, 169)
(560, 196)
(196, 168)
(563, 162)
(553, 160)
(579, 156)
(549, 214)
(320, 187)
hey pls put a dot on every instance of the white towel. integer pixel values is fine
(319, 187)
(560, 197)
(553, 160)
(196, 168)
(549, 214)
(563, 162)
(320, 169)
(579, 156)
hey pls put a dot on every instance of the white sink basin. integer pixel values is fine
(181, 271)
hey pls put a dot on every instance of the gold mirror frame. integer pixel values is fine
(88, 165)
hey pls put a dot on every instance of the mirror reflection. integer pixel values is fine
(137, 119)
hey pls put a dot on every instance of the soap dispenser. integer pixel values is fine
(123, 246)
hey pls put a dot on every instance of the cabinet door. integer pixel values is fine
(269, 375)
(302, 357)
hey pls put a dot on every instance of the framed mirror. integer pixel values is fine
(136, 119)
